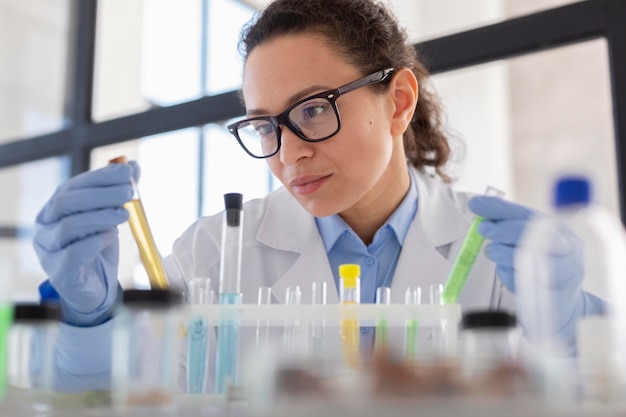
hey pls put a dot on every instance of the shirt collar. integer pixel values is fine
(332, 227)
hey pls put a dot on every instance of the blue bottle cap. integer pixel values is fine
(572, 190)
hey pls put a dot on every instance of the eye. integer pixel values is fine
(313, 109)
(263, 128)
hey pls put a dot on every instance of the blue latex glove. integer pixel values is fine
(504, 225)
(76, 240)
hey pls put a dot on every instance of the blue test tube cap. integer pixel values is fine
(233, 203)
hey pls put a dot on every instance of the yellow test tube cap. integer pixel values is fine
(349, 273)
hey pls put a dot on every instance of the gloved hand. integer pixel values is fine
(504, 225)
(76, 240)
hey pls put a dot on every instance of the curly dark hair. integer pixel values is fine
(368, 35)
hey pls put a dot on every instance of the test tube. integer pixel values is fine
(229, 291)
(148, 253)
(200, 293)
(350, 291)
(437, 338)
(413, 297)
(262, 327)
(470, 248)
(291, 331)
(318, 328)
(383, 297)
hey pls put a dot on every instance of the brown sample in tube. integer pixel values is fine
(150, 257)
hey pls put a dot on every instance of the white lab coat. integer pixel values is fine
(282, 248)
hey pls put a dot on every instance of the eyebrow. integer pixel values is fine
(294, 98)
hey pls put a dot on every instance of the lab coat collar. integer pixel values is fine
(439, 212)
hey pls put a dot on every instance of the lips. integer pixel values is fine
(308, 184)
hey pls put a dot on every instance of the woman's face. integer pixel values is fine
(360, 169)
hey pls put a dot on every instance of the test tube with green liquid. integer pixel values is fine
(470, 248)
(383, 297)
(412, 296)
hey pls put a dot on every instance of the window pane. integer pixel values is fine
(528, 119)
(169, 191)
(224, 64)
(147, 55)
(229, 169)
(33, 52)
(29, 187)
(427, 19)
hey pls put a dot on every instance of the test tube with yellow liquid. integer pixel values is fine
(350, 294)
(148, 253)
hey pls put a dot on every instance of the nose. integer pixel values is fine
(292, 148)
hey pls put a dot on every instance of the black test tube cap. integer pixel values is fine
(233, 203)
(25, 311)
(487, 319)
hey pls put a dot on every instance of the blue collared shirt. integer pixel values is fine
(378, 260)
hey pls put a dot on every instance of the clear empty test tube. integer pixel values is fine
(263, 326)
(318, 326)
(200, 293)
(412, 297)
(145, 350)
(229, 292)
(437, 337)
(470, 248)
(383, 297)
(148, 252)
(291, 330)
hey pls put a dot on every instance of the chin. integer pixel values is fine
(318, 208)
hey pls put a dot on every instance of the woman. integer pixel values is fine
(337, 103)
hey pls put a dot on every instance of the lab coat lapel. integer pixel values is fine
(295, 231)
(311, 266)
(432, 243)
(419, 265)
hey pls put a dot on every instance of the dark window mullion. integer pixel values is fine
(533, 33)
(80, 78)
(616, 36)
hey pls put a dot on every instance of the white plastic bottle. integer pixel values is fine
(579, 236)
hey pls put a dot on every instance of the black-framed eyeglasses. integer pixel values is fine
(313, 119)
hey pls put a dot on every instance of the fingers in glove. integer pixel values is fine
(506, 274)
(495, 208)
(113, 174)
(507, 232)
(136, 170)
(84, 200)
(64, 267)
(70, 229)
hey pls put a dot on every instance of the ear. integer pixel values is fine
(405, 92)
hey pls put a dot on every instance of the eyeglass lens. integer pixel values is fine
(313, 119)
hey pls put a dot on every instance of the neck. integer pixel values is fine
(370, 216)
